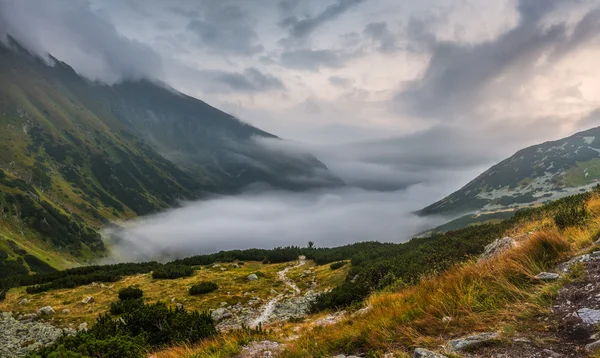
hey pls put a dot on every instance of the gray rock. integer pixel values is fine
(220, 314)
(23, 301)
(498, 247)
(66, 311)
(473, 341)
(589, 316)
(88, 299)
(46, 310)
(547, 276)
(82, 327)
(593, 347)
(252, 277)
(424, 353)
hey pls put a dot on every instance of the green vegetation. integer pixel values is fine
(130, 293)
(171, 272)
(140, 327)
(337, 265)
(202, 288)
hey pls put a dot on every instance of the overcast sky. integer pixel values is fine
(421, 94)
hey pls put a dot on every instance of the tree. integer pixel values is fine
(311, 244)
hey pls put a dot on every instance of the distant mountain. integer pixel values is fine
(76, 154)
(533, 175)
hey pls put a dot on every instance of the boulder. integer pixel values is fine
(593, 347)
(220, 314)
(46, 310)
(498, 247)
(88, 299)
(473, 341)
(589, 316)
(424, 353)
(252, 277)
(82, 327)
(547, 276)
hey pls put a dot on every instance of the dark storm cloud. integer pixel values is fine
(313, 60)
(71, 32)
(302, 27)
(225, 29)
(460, 76)
(250, 80)
(386, 41)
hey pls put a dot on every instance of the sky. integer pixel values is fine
(396, 95)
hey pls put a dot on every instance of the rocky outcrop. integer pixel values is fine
(260, 349)
(18, 338)
(424, 353)
(498, 247)
(474, 341)
(220, 314)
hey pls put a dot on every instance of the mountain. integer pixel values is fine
(75, 155)
(534, 175)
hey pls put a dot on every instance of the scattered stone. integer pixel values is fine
(223, 304)
(547, 276)
(446, 319)
(424, 353)
(66, 311)
(589, 316)
(18, 338)
(220, 314)
(498, 247)
(363, 311)
(88, 299)
(252, 277)
(24, 301)
(46, 310)
(473, 341)
(331, 319)
(82, 327)
(102, 285)
(179, 305)
(593, 347)
(260, 349)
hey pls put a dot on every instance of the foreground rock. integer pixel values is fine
(472, 342)
(260, 349)
(424, 353)
(252, 277)
(589, 316)
(220, 314)
(18, 338)
(498, 247)
(547, 276)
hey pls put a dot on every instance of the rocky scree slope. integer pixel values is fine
(538, 174)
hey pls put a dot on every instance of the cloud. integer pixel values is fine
(73, 33)
(267, 219)
(339, 81)
(386, 41)
(462, 76)
(226, 29)
(313, 60)
(301, 28)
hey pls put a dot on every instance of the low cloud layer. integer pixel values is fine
(272, 219)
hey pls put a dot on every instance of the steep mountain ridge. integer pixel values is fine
(96, 153)
(533, 175)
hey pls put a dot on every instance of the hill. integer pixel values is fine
(534, 175)
(76, 154)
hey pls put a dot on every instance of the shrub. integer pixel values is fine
(202, 288)
(171, 272)
(2, 295)
(130, 293)
(120, 307)
(337, 265)
(570, 216)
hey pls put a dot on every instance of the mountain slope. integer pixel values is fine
(95, 153)
(533, 175)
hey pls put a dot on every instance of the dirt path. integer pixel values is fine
(268, 308)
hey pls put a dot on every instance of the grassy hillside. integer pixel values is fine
(98, 153)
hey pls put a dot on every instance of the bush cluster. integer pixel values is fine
(202, 288)
(140, 328)
(130, 293)
(336, 265)
(171, 272)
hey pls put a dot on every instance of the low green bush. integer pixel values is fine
(130, 293)
(336, 265)
(170, 272)
(202, 288)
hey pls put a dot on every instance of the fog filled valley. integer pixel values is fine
(319, 179)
